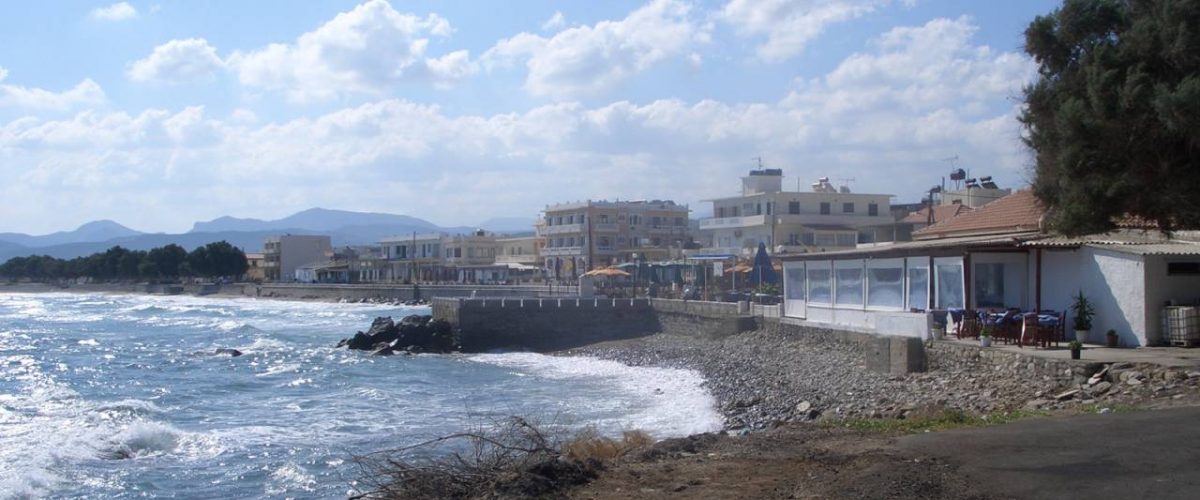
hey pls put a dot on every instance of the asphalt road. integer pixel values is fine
(1143, 454)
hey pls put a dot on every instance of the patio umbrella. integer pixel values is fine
(763, 271)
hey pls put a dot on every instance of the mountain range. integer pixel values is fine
(343, 227)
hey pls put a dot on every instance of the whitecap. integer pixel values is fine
(672, 401)
(89, 342)
(290, 477)
(142, 439)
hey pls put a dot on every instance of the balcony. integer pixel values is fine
(605, 227)
(734, 222)
(564, 229)
(562, 251)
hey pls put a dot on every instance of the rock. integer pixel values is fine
(1100, 388)
(1067, 395)
(1129, 374)
(1193, 374)
(1036, 404)
(1132, 381)
(233, 353)
(384, 351)
(803, 407)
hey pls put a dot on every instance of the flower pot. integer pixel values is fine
(985, 341)
(1081, 335)
(1075, 353)
(1112, 341)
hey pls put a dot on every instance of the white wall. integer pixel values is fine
(1116, 285)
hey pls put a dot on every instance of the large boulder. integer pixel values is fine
(414, 333)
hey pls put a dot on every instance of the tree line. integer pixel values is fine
(172, 261)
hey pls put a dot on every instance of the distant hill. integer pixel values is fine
(314, 219)
(101, 230)
(508, 225)
(343, 227)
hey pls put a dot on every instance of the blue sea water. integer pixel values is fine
(114, 396)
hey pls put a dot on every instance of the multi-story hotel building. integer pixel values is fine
(283, 254)
(412, 258)
(590, 234)
(826, 218)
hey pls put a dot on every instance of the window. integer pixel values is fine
(1182, 268)
(768, 208)
(458, 253)
(679, 221)
(918, 287)
(847, 208)
(885, 283)
(808, 239)
(758, 209)
(793, 279)
(824, 208)
(846, 239)
(720, 212)
(873, 209)
(570, 219)
(735, 211)
(793, 207)
(989, 284)
(657, 242)
(850, 286)
(819, 284)
(949, 283)
(656, 220)
(826, 239)
(604, 218)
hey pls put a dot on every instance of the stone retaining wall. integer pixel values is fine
(401, 292)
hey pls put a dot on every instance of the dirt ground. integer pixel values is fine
(796, 461)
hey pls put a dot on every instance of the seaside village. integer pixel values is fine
(972, 260)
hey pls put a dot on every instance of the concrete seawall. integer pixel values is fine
(395, 292)
(554, 324)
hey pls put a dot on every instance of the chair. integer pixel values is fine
(969, 326)
(1007, 328)
(1031, 331)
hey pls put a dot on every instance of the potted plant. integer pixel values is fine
(1076, 348)
(1083, 316)
(1111, 339)
(985, 337)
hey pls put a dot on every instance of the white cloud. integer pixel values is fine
(885, 116)
(84, 93)
(789, 25)
(587, 60)
(116, 12)
(177, 61)
(555, 22)
(366, 50)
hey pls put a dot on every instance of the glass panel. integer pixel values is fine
(949, 286)
(818, 286)
(989, 285)
(885, 287)
(794, 278)
(850, 286)
(918, 288)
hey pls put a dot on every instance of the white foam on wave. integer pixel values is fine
(290, 477)
(672, 401)
(88, 342)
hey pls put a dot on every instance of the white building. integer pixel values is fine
(995, 258)
(826, 218)
(283, 254)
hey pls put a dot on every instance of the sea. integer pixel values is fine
(123, 396)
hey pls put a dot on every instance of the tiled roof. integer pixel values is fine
(940, 213)
(1015, 213)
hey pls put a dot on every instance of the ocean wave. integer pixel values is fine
(670, 401)
(290, 477)
(133, 406)
(140, 440)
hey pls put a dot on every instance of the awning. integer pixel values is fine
(522, 267)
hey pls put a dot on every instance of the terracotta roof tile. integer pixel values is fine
(1017, 212)
(940, 213)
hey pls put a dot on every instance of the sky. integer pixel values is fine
(159, 114)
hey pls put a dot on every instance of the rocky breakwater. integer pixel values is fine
(413, 334)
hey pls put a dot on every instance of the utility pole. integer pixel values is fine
(591, 241)
(412, 260)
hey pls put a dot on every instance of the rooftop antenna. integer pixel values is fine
(759, 159)
(954, 176)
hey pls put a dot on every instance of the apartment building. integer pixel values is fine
(585, 235)
(411, 258)
(826, 218)
(283, 254)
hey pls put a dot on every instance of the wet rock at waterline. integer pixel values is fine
(412, 334)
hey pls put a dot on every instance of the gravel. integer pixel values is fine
(761, 379)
